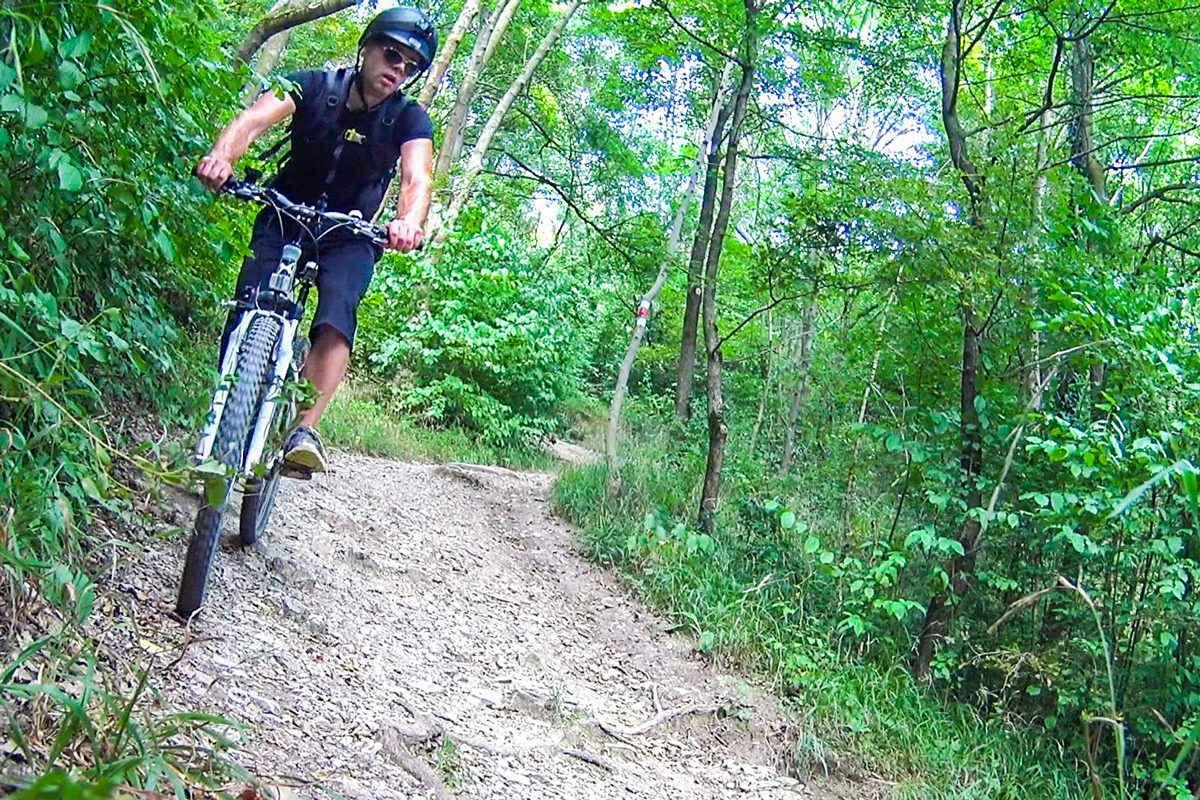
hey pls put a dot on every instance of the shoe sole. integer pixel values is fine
(305, 458)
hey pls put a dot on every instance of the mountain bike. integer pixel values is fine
(252, 407)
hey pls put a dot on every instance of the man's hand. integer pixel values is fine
(213, 171)
(404, 235)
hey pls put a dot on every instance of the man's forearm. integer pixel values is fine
(236, 139)
(414, 200)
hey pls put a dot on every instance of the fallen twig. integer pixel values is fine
(658, 719)
(583, 755)
(414, 766)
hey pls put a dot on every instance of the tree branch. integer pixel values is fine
(695, 37)
(1155, 195)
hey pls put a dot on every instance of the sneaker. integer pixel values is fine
(303, 451)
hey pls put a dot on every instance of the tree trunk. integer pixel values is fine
(1083, 156)
(475, 161)
(268, 57)
(284, 19)
(433, 81)
(691, 311)
(962, 568)
(466, 93)
(647, 301)
(800, 393)
(1033, 376)
(506, 15)
(767, 374)
(1083, 146)
(718, 430)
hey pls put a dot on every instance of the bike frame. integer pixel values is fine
(281, 282)
(286, 294)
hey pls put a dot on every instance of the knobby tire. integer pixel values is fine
(237, 422)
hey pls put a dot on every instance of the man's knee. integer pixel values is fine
(328, 337)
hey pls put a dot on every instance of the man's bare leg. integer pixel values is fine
(325, 367)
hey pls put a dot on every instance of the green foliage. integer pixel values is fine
(106, 260)
(765, 592)
(359, 419)
(486, 338)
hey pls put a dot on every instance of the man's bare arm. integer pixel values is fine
(268, 110)
(416, 187)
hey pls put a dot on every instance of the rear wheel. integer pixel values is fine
(257, 502)
(258, 499)
(237, 421)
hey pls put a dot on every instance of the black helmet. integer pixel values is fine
(408, 26)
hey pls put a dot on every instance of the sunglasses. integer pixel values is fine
(395, 58)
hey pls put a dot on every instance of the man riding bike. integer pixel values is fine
(350, 127)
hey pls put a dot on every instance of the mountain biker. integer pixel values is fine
(349, 128)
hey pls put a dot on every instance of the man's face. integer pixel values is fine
(387, 64)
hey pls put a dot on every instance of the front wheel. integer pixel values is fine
(250, 381)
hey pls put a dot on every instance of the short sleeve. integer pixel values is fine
(414, 123)
(305, 84)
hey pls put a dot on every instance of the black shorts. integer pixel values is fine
(345, 266)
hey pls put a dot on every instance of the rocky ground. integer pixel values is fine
(412, 631)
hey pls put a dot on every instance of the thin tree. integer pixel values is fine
(433, 81)
(491, 29)
(962, 567)
(646, 304)
(695, 270)
(475, 160)
(718, 429)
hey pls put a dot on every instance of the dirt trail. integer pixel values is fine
(396, 606)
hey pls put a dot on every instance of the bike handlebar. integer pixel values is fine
(247, 190)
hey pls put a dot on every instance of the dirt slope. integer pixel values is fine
(410, 625)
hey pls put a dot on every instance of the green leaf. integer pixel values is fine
(17, 251)
(165, 245)
(69, 75)
(811, 545)
(787, 520)
(70, 328)
(70, 179)
(91, 488)
(76, 46)
(827, 557)
(35, 116)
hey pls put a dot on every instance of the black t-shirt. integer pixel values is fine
(362, 166)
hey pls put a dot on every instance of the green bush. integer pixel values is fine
(485, 337)
(107, 259)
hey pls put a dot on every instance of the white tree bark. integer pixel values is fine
(687, 194)
(452, 131)
(433, 81)
(284, 17)
(475, 160)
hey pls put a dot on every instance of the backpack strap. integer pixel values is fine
(318, 110)
(384, 130)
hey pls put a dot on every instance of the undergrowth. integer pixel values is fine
(750, 596)
(357, 419)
